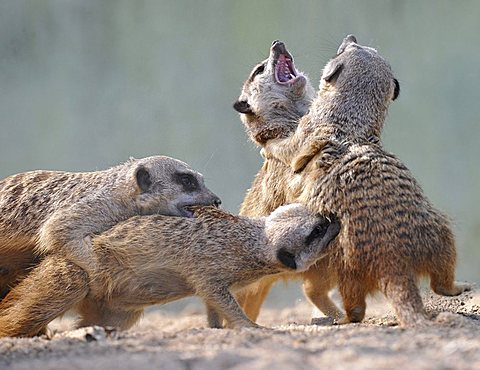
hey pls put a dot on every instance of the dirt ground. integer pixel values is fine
(166, 340)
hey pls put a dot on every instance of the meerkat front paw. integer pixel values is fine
(268, 150)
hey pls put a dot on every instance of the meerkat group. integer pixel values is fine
(390, 233)
(156, 259)
(106, 244)
(270, 109)
(86, 242)
(45, 213)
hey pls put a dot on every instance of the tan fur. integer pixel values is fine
(259, 104)
(390, 234)
(49, 212)
(157, 259)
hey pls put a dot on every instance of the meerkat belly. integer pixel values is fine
(161, 287)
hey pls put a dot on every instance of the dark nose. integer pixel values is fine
(279, 47)
(287, 259)
(349, 39)
(217, 201)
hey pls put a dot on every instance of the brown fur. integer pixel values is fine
(259, 101)
(45, 212)
(390, 231)
(157, 259)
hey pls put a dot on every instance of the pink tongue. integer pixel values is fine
(283, 72)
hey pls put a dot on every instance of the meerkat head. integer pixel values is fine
(169, 187)
(274, 96)
(299, 237)
(356, 88)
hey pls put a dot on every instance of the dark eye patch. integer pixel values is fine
(318, 232)
(259, 70)
(187, 180)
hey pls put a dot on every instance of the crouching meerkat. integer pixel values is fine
(390, 232)
(49, 212)
(274, 98)
(155, 259)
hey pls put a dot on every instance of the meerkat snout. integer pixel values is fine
(279, 47)
(300, 236)
(350, 39)
(242, 106)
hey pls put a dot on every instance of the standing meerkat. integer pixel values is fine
(274, 98)
(155, 259)
(390, 232)
(45, 212)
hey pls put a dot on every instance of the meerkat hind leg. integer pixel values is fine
(252, 297)
(456, 289)
(354, 300)
(48, 291)
(214, 319)
(402, 292)
(443, 284)
(316, 288)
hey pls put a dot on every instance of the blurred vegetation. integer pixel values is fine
(86, 84)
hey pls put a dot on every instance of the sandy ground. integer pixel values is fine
(166, 340)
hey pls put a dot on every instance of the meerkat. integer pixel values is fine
(156, 259)
(274, 98)
(390, 233)
(45, 212)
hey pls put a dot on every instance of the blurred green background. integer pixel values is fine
(86, 84)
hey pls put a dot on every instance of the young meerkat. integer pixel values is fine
(51, 212)
(156, 259)
(390, 232)
(274, 98)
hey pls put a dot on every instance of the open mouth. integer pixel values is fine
(285, 72)
(186, 211)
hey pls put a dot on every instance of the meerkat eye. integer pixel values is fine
(259, 70)
(188, 181)
(318, 232)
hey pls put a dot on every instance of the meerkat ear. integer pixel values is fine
(242, 106)
(396, 90)
(144, 180)
(333, 72)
